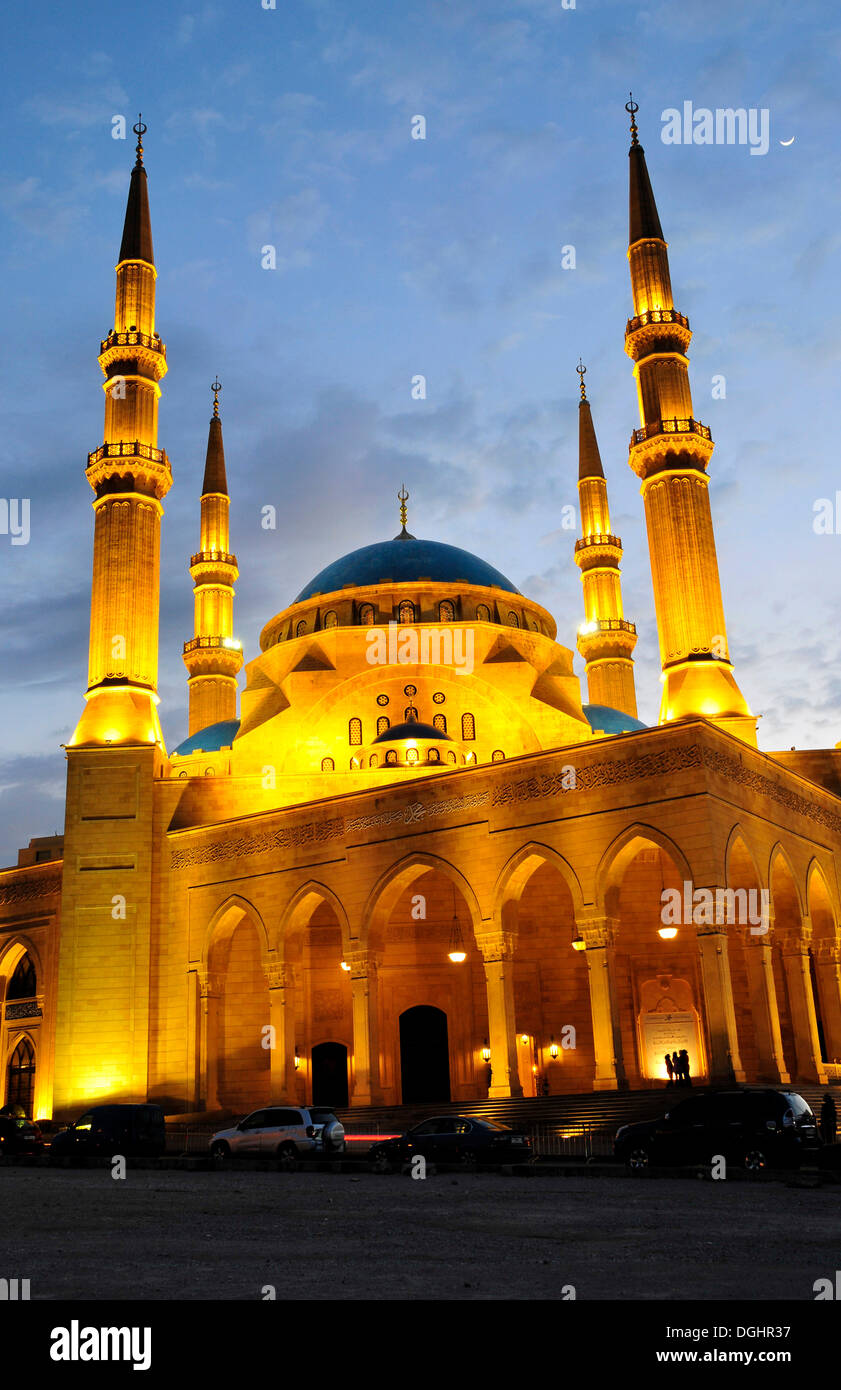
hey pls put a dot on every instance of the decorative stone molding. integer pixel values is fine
(240, 846)
(598, 774)
(495, 946)
(280, 975)
(27, 889)
(28, 1008)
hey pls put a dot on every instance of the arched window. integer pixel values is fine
(22, 984)
(327, 765)
(434, 755)
(468, 727)
(497, 756)
(406, 612)
(330, 619)
(411, 755)
(354, 731)
(375, 762)
(20, 1089)
(483, 613)
(446, 611)
(301, 628)
(469, 758)
(451, 757)
(439, 721)
(410, 713)
(383, 724)
(513, 620)
(391, 758)
(209, 772)
(366, 615)
(355, 764)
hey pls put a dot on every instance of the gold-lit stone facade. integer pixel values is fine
(267, 912)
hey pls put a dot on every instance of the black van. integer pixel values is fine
(137, 1131)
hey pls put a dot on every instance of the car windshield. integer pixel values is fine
(489, 1124)
(322, 1117)
(797, 1103)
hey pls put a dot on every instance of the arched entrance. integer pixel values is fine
(20, 1089)
(424, 1054)
(329, 1074)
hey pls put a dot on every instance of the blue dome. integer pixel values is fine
(604, 720)
(411, 729)
(211, 739)
(405, 560)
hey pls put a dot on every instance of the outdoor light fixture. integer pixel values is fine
(553, 1048)
(524, 1039)
(578, 943)
(486, 1051)
(345, 966)
(456, 953)
(297, 1057)
(667, 933)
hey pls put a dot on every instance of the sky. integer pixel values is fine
(397, 257)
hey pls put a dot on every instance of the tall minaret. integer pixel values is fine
(213, 657)
(670, 454)
(130, 476)
(605, 639)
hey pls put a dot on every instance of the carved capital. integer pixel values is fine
(280, 974)
(363, 965)
(495, 946)
(597, 929)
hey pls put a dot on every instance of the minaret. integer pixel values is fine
(605, 639)
(213, 657)
(670, 453)
(130, 476)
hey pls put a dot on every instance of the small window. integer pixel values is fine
(434, 755)
(382, 700)
(22, 984)
(411, 755)
(301, 628)
(451, 757)
(513, 620)
(483, 613)
(439, 697)
(497, 756)
(182, 774)
(209, 772)
(355, 764)
(366, 614)
(327, 765)
(468, 727)
(469, 758)
(391, 758)
(410, 713)
(374, 762)
(410, 690)
(383, 724)
(330, 619)
(446, 611)
(439, 721)
(354, 732)
(406, 612)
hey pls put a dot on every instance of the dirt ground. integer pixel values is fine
(207, 1235)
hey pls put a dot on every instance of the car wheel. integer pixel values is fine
(467, 1159)
(287, 1158)
(638, 1159)
(754, 1160)
(381, 1163)
(219, 1155)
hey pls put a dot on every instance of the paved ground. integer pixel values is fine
(202, 1235)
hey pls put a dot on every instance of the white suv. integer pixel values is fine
(283, 1132)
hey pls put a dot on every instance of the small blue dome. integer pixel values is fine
(411, 729)
(405, 560)
(211, 739)
(604, 720)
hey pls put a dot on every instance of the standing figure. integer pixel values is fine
(684, 1067)
(670, 1068)
(829, 1119)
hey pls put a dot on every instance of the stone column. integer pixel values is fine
(209, 1038)
(282, 982)
(807, 1047)
(828, 974)
(365, 1071)
(497, 949)
(725, 1061)
(599, 934)
(765, 1011)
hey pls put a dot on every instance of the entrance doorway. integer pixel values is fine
(424, 1054)
(329, 1074)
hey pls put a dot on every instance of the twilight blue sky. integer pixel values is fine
(396, 257)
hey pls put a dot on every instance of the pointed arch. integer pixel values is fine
(515, 874)
(820, 905)
(391, 884)
(300, 908)
(623, 849)
(225, 921)
(12, 953)
(780, 855)
(736, 838)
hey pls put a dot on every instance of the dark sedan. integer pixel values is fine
(456, 1139)
(752, 1128)
(19, 1136)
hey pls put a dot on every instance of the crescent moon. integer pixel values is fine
(787, 142)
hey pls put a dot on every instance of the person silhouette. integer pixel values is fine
(670, 1068)
(684, 1067)
(829, 1119)
(676, 1069)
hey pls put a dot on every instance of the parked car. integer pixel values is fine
(284, 1132)
(453, 1139)
(19, 1135)
(137, 1131)
(756, 1129)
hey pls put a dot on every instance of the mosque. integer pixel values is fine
(414, 866)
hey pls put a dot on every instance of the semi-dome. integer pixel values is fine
(209, 739)
(412, 729)
(405, 560)
(603, 719)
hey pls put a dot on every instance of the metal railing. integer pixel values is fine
(133, 448)
(213, 557)
(656, 316)
(597, 539)
(133, 339)
(670, 427)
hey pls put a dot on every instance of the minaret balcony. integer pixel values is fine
(657, 330)
(675, 443)
(133, 353)
(214, 567)
(213, 656)
(603, 638)
(594, 551)
(135, 466)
